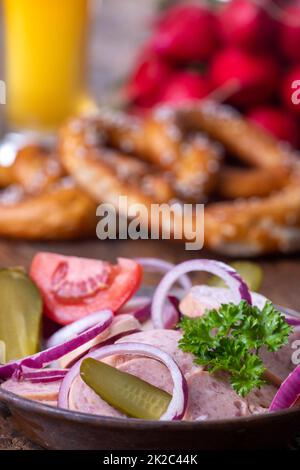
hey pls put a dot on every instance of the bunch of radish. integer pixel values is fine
(244, 52)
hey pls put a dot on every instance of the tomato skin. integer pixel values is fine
(126, 278)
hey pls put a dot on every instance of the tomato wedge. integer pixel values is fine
(74, 287)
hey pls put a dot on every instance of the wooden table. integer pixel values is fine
(114, 41)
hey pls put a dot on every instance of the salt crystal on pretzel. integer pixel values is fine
(39, 201)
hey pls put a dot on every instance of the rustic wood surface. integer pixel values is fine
(117, 32)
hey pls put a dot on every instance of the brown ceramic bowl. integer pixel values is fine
(54, 428)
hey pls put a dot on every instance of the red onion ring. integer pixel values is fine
(39, 376)
(291, 316)
(171, 310)
(171, 314)
(292, 321)
(73, 329)
(43, 358)
(139, 307)
(121, 325)
(288, 393)
(161, 266)
(109, 340)
(178, 403)
(227, 273)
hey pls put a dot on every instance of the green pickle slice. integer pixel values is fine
(249, 271)
(125, 392)
(20, 314)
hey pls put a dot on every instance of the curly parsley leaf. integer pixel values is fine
(229, 339)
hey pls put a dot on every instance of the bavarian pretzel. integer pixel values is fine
(235, 183)
(256, 226)
(106, 173)
(262, 211)
(190, 158)
(245, 140)
(39, 201)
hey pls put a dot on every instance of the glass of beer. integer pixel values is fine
(45, 49)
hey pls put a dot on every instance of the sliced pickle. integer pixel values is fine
(125, 392)
(20, 313)
(249, 271)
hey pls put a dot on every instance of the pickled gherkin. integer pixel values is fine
(125, 392)
(20, 314)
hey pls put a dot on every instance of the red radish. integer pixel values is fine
(246, 24)
(289, 32)
(148, 101)
(185, 86)
(148, 76)
(290, 90)
(276, 121)
(186, 33)
(258, 75)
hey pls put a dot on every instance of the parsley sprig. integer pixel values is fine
(229, 339)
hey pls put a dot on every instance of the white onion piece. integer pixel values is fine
(135, 304)
(139, 307)
(73, 329)
(43, 358)
(178, 403)
(235, 283)
(121, 324)
(201, 298)
(161, 266)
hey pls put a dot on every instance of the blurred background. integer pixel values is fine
(65, 57)
(134, 57)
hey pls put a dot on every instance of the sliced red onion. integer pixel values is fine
(292, 321)
(171, 314)
(74, 329)
(43, 358)
(38, 376)
(288, 393)
(161, 266)
(139, 307)
(141, 310)
(122, 324)
(178, 403)
(109, 340)
(238, 287)
(291, 316)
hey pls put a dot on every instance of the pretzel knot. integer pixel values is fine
(39, 201)
(252, 208)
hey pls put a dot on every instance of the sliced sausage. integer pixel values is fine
(149, 370)
(83, 398)
(166, 340)
(201, 298)
(280, 362)
(212, 397)
(260, 399)
(44, 392)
